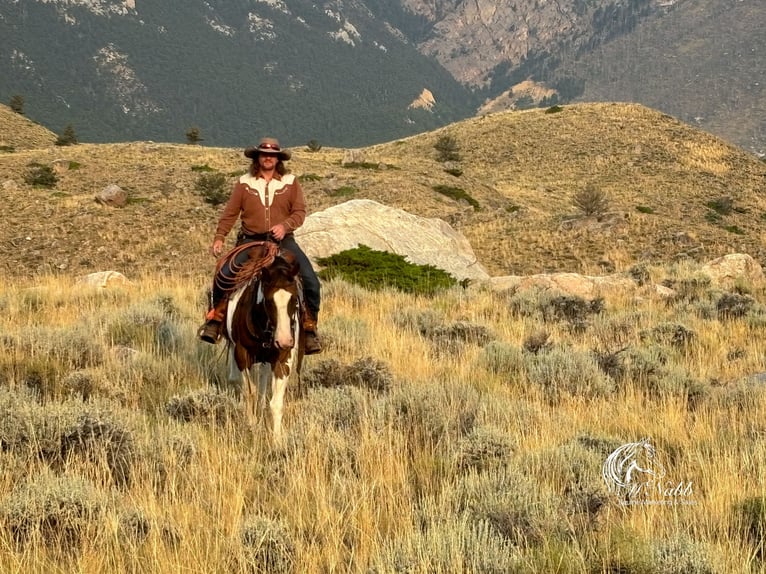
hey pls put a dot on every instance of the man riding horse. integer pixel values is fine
(270, 204)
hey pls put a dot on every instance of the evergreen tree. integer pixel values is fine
(193, 136)
(447, 148)
(17, 104)
(67, 137)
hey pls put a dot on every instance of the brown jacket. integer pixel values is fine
(261, 206)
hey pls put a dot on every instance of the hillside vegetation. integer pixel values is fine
(460, 432)
(672, 192)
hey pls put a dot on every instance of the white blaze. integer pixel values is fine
(283, 337)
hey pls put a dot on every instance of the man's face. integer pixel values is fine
(267, 160)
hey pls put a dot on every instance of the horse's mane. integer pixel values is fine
(250, 269)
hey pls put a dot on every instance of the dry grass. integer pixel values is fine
(446, 449)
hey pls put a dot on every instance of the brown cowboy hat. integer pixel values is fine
(268, 145)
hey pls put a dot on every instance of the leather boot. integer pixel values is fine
(210, 332)
(312, 340)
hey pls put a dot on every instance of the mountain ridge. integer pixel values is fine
(346, 73)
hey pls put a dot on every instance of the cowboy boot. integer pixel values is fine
(312, 340)
(210, 332)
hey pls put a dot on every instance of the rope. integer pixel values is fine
(243, 273)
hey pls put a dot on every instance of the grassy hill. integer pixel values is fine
(673, 192)
(20, 133)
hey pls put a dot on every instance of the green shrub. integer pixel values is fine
(313, 146)
(429, 414)
(721, 205)
(737, 230)
(366, 373)
(205, 406)
(213, 188)
(512, 503)
(343, 191)
(681, 556)
(713, 217)
(339, 407)
(57, 512)
(362, 165)
(750, 518)
(567, 373)
(378, 269)
(454, 171)
(484, 448)
(309, 177)
(644, 209)
(447, 149)
(268, 545)
(202, 168)
(446, 544)
(457, 194)
(40, 175)
(554, 110)
(734, 305)
(591, 200)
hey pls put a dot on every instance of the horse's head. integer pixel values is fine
(279, 286)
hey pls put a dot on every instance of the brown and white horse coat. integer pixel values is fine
(263, 328)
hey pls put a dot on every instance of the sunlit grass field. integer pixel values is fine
(460, 433)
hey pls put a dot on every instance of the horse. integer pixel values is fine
(622, 467)
(263, 328)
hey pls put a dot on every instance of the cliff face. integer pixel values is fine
(471, 38)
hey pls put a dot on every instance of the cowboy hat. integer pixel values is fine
(267, 145)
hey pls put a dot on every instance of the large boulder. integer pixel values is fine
(585, 286)
(104, 279)
(732, 268)
(420, 240)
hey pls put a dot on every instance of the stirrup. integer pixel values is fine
(312, 349)
(210, 332)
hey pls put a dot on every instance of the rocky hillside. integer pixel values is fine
(671, 192)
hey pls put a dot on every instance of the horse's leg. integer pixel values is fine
(251, 397)
(264, 390)
(278, 385)
(277, 403)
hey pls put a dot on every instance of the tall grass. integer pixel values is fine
(460, 433)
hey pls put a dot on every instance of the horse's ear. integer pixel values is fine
(291, 260)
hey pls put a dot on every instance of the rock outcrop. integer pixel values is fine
(364, 222)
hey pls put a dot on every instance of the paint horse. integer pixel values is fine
(263, 328)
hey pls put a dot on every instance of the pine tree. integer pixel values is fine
(17, 104)
(193, 136)
(67, 137)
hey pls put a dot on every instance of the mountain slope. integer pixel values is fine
(19, 132)
(299, 71)
(702, 62)
(674, 192)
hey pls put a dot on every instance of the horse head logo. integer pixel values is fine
(632, 463)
